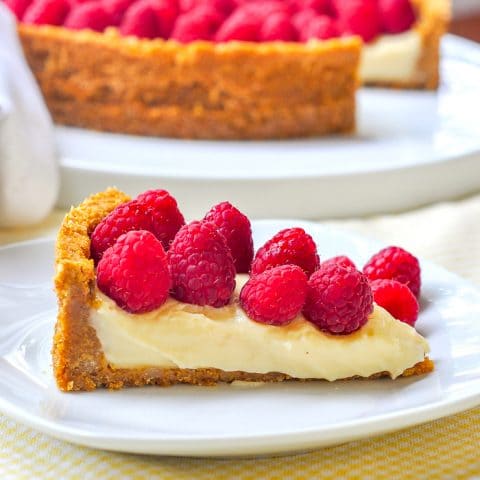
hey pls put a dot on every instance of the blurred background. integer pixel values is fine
(466, 21)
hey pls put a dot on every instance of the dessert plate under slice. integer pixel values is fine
(411, 148)
(232, 420)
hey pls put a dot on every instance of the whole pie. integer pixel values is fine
(145, 299)
(225, 69)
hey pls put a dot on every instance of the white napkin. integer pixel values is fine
(29, 176)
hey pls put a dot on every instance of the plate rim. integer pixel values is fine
(255, 444)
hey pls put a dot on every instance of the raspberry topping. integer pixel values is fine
(290, 246)
(340, 260)
(134, 272)
(236, 229)
(165, 216)
(126, 217)
(117, 9)
(359, 17)
(396, 15)
(18, 7)
(397, 299)
(321, 27)
(200, 23)
(339, 299)
(275, 297)
(278, 27)
(201, 266)
(240, 25)
(140, 20)
(395, 263)
(92, 15)
(46, 12)
(322, 7)
(225, 7)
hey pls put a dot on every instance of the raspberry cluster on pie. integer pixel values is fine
(146, 299)
(225, 69)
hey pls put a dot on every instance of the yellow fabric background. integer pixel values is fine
(448, 234)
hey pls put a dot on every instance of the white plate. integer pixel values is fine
(411, 148)
(228, 420)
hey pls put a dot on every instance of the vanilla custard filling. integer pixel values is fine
(189, 336)
(391, 57)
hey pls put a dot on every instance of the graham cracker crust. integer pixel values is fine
(78, 359)
(201, 90)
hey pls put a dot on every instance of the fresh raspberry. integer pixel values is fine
(339, 299)
(236, 229)
(278, 27)
(166, 12)
(201, 23)
(396, 298)
(46, 12)
(166, 218)
(302, 18)
(92, 15)
(342, 260)
(321, 27)
(322, 7)
(134, 272)
(201, 266)
(395, 263)
(290, 246)
(359, 17)
(276, 296)
(117, 9)
(262, 10)
(225, 7)
(240, 25)
(396, 15)
(126, 217)
(149, 19)
(18, 7)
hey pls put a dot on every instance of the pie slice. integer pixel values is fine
(215, 88)
(98, 343)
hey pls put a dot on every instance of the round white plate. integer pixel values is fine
(228, 420)
(411, 148)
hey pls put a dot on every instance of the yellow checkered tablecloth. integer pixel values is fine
(448, 234)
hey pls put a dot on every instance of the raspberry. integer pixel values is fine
(18, 7)
(339, 299)
(240, 25)
(276, 296)
(117, 9)
(359, 17)
(302, 18)
(46, 12)
(321, 27)
(200, 23)
(396, 298)
(395, 263)
(225, 7)
(289, 246)
(322, 7)
(278, 27)
(134, 272)
(90, 15)
(166, 218)
(396, 15)
(201, 266)
(149, 19)
(340, 260)
(166, 12)
(236, 229)
(126, 217)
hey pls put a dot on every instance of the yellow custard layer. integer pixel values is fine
(189, 336)
(391, 58)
